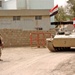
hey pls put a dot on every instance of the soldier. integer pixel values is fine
(1, 46)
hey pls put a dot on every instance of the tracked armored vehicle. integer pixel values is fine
(63, 39)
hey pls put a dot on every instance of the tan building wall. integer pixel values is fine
(29, 4)
(16, 31)
(25, 23)
(24, 19)
(17, 37)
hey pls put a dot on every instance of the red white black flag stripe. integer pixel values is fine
(74, 22)
(54, 10)
(54, 13)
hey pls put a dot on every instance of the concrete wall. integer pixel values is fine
(21, 4)
(25, 23)
(2, 5)
(41, 4)
(35, 4)
(10, 4)
(29, 4)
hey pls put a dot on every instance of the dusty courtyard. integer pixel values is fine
(31, 61)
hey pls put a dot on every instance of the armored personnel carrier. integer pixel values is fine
(63, 39)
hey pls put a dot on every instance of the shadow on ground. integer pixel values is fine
(71, 50)
(67, 50)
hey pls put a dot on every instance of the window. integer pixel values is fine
(16, 17)
(38, 17)
(0, 3)
(39, 28)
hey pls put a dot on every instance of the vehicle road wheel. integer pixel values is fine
(50, 46)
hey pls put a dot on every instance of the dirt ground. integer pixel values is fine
(33, 61)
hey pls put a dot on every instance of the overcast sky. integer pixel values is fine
(60, 2)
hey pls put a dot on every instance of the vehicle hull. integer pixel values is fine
(63, 42)
(57, 44)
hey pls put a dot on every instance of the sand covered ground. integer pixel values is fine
(36, 61)
(65, 68)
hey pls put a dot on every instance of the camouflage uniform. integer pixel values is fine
(1, 45)
(0, 52)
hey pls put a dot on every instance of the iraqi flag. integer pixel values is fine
(74, 22)
(54, 10)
